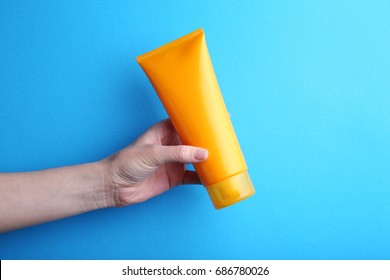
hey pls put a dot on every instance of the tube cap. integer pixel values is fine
(231, 190)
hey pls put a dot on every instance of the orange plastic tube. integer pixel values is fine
(183, 76)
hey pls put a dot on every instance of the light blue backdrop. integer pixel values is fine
(307, 84)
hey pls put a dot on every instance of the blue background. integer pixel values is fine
(307, 84)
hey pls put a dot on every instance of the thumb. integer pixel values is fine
(180, 153)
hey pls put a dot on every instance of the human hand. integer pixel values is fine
(153, 164)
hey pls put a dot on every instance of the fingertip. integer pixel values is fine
(201, 154)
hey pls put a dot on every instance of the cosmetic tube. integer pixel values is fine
(182, 74)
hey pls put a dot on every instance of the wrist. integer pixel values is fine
(102, 194)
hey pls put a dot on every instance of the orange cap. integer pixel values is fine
(231, 190)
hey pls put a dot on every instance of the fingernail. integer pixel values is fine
(200, 154)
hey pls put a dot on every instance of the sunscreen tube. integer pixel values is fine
(182, 74)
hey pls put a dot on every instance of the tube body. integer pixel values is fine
(182, 74)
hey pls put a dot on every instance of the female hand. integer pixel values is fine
(153, 164)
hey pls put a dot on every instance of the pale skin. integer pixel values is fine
(150, 166)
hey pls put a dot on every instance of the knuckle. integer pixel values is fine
(181, 152)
